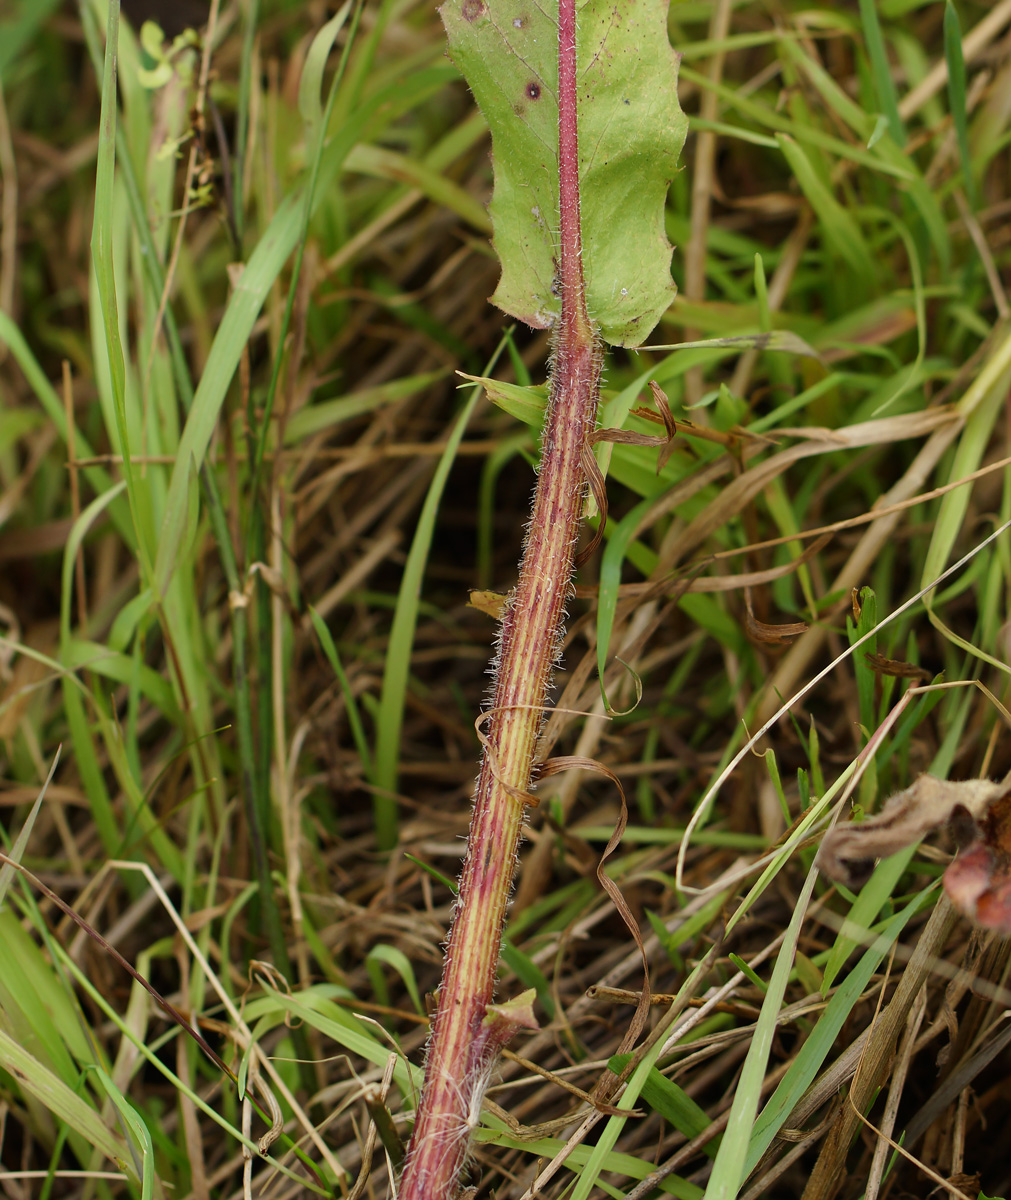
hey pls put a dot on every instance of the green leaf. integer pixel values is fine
(671, 1101)
(152, 40)
(818, 1046)
(38, 1081)
(310, 105)
(386, 761)
(631, 130)
(957, 90)
(526, 404)
(400, 963)
(18, 850)
(841, 230)
(528, 972)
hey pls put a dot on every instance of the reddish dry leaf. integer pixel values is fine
(772, 635)
(978, 814)
(893, 666)
(629, 437)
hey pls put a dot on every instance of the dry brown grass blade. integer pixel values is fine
(796, 663)
(867, 518)
(717, 583)
(957, 1083)
(895, 1090)
(875, 1062)
(580, 763)
(762, 631)
(703, 174)
(746, 486)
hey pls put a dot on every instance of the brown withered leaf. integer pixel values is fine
(978, 814)
(598, 490)
(857, 606)
(773, 635)
(569, 762)
(629, 437)
(892, 666)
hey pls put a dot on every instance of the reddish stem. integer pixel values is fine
(465, 1043)
(571, 244)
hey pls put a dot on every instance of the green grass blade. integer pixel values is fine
(258, 276)
(390, 717)
(819, 1043)
(138, 1130)
(884, 86)
(398, 960)
(610, 580)
(17, 32)
(316, 123)
(596, 1158)
(314, 1006)
(957, 95)
(840, 229)
(328, 414)
(311, 84)
(102, 259)
(18, 849)
(671, 1101)
(64, 1103)
(350, 704)
(250, 19)
(729, 1167)
(98, 478)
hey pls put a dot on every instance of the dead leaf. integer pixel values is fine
(773, 635)
(978, 814)
(628, 437)
(892, 666)
(598, 490)
(552, 766)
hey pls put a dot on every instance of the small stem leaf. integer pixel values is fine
(503, 1020)
(631, 130)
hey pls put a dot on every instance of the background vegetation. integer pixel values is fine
(242, 501)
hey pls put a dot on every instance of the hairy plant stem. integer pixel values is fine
(466, 1037)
